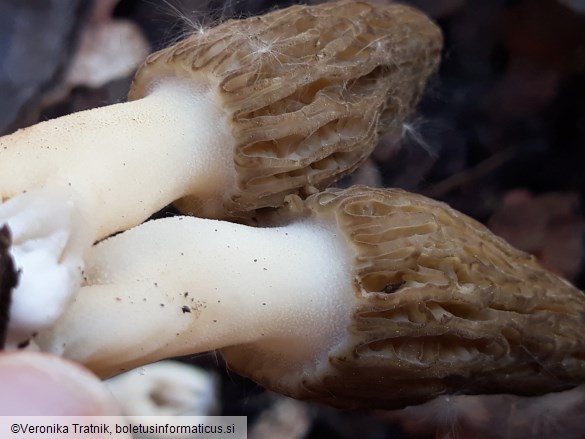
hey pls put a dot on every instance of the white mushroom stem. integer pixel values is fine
(364, 292)
(227, 122)
(184, 285)
(236, 118)
(125, 161)
(80, 178)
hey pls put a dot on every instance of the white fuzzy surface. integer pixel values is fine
(183, 285)
(48, 243)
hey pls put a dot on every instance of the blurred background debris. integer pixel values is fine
(37, 40)
(500, 135)
(556, 415)
(166, 388)
(107, 50)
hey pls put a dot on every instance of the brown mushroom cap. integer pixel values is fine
(442, 306)
(307, 90)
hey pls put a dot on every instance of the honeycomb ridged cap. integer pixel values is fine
(307, 90)
(442, 306)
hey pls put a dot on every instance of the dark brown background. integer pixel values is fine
(499, 135)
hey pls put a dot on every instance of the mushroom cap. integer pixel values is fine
(306, 90)
(442, 306)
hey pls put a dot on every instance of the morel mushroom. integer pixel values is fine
(357, 298)
(232, 120)
(236, 117)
